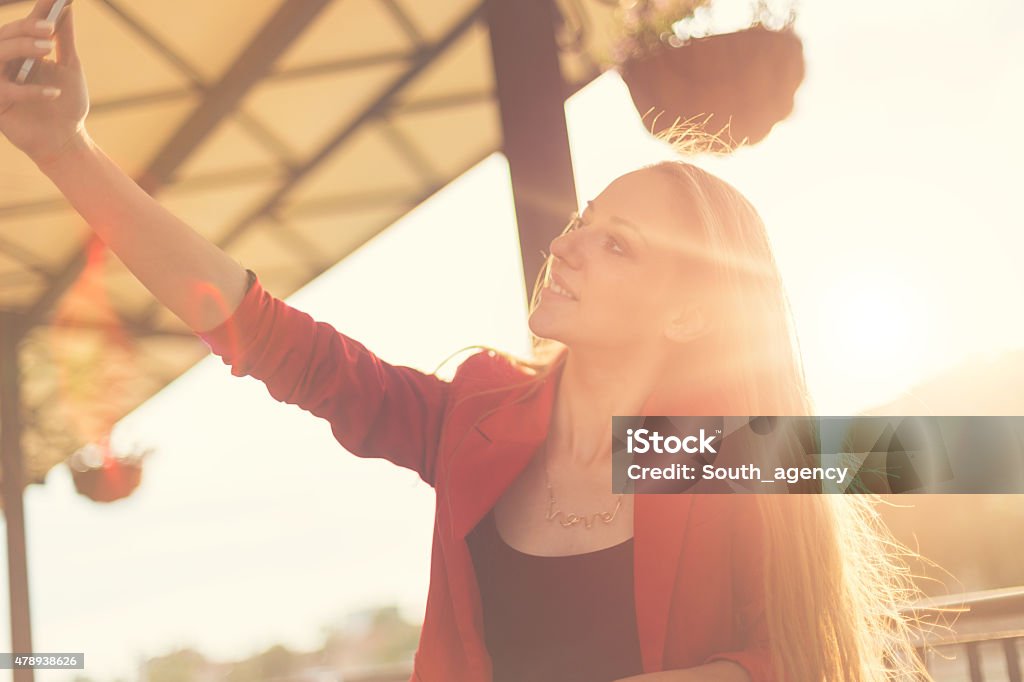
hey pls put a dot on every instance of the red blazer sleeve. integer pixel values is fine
(754, 655)
(375, 409)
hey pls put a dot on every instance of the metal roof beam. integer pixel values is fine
(336, 66)
(242, 176)
(407, 25)
(255, 62)
(376, 108)
(354, 202)
(196, 79)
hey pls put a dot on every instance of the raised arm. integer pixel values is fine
(197, 281)
(375, 409)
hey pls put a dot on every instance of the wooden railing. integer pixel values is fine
(979, 636)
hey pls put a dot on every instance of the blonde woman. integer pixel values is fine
(662, 297)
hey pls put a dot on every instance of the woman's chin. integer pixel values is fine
(547, 326)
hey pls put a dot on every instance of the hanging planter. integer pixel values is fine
(104, 476)
(737, 85)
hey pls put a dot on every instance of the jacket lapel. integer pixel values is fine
(496, 450)
(659, 530)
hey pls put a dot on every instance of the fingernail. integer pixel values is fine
(44, 44)
(47, 26)
(52, 93)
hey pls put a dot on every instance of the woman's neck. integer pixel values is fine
(591, 388)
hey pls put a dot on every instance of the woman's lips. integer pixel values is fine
(554, 293)
(559, 282)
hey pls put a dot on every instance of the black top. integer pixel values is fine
(556, 619)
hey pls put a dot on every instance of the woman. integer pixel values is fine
(662, 298)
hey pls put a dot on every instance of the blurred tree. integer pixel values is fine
(277, 662)
(183, 665)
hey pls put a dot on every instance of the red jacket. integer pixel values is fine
(697, 578)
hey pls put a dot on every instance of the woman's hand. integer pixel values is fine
(46, 115)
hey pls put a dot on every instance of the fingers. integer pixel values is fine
(35, 37)
(15, 48)
(9, 92)
(41, 9)
(66, 52)
(29, 26)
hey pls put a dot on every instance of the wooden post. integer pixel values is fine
(14, 512)
(531, 97)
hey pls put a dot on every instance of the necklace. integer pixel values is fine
(570, 520)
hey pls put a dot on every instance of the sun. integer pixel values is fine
(872, 337)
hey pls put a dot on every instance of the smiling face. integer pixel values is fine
(623, 263)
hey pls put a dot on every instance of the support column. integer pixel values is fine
(531, 96)
(14, 512)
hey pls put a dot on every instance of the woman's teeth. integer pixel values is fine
(559, 290)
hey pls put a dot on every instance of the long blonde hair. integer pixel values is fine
(836, 581)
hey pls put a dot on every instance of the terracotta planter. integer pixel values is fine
(102, 476)
(749, 76)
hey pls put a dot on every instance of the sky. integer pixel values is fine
(891, 203)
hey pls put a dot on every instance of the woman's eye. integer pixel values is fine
(610, 242)
(614, 246)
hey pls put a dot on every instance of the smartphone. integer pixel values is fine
(20, 73)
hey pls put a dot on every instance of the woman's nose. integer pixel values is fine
(565, 247)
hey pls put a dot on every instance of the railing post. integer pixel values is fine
(974, 662)
(1012, 660)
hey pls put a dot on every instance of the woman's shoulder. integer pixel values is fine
(489, 369)
(491, 364)
(488, 378)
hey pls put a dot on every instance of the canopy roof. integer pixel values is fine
(289, 133)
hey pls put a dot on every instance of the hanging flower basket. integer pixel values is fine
(745, 80)
(103, 476)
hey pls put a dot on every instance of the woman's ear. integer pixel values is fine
(687, 323)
